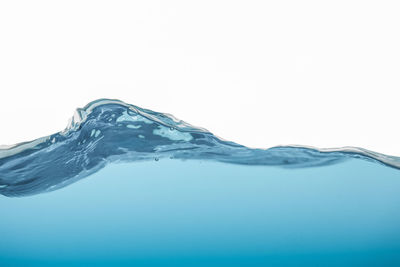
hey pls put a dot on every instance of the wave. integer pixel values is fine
(109, 130)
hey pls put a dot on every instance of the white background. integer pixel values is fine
(261, 73)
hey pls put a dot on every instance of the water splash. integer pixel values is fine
(107, 131)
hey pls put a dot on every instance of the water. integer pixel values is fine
(163, 193)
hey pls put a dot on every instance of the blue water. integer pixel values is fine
(145, 189)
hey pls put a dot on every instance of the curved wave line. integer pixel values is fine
(109, 130)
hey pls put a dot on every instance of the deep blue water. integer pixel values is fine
(145, 189)
(174, 213)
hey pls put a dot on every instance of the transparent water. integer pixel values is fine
(183, 197)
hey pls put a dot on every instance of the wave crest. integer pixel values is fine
(109, 130)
